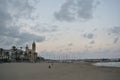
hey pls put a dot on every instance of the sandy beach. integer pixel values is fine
(58, 71)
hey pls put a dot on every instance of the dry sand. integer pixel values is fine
(59, 71)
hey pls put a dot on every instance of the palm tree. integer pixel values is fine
(21, 48)
(1, 53)
(7, 54)
(14, 52)
(14, 48)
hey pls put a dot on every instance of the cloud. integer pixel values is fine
(92, 42)
(116, 30)
(116, 39)
(20, 39)
(109, 34)
(70, 44)
(73, 10)
(88, 47)
(12, 14)
(44, 28)
(89, 35)
(27, 37)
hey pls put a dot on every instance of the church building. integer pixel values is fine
(31, 54)
(16, 54)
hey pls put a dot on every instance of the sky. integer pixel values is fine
(62, 29)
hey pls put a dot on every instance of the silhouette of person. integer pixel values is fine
(49, 66)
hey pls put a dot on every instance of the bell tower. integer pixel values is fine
(34, 46)
(26, 47)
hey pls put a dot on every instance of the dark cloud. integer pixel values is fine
(116, 39)
(92, 42)
(12, 13)
(6, 40)
(70, 44)
(116, 30)
(109, 34)
(64, 14)
(89, 35)
(76, 10)
(88, 47)
(27, 37)
(19, 39)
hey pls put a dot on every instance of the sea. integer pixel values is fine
(108, 64)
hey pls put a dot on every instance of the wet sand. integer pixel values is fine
(59, 71)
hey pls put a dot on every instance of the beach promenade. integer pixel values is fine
(58, 71)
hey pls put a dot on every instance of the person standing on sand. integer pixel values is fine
(49, 66)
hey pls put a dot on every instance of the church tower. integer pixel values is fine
(26, 47)
(34, 46)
